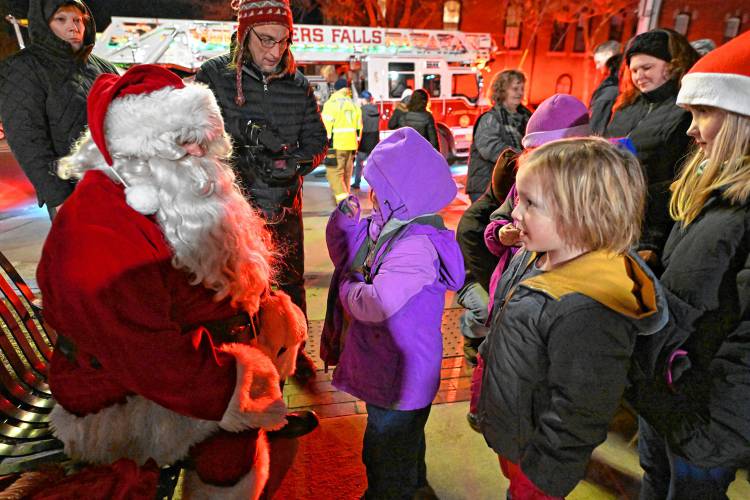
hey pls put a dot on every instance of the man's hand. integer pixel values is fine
(509, 235)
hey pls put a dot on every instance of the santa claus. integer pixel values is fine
(156, 275)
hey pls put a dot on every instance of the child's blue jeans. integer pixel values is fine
(668, 476)
(393, 452)
(359, 166)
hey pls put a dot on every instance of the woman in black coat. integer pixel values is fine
(43, 90)
(645, 111)
(418, 118)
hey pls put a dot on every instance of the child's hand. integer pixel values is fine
(509, 235)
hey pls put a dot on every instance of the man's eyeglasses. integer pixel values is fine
(268, 43)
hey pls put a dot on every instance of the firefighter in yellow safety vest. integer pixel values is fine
(343, 121)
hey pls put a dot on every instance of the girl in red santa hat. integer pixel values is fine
(695, 431)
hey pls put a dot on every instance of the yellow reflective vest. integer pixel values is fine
(343, 120)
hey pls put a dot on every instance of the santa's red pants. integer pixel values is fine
(225, 457)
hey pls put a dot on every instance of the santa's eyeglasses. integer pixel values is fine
(268, 43)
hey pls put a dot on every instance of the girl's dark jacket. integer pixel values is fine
(707, 265)
(370, 128)
(657, 127)
(43, 91)
(557, 359)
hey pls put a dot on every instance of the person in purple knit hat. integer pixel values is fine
(558, 117)
(392, 270)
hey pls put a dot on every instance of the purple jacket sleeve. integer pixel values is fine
(411, 265)
(344, 234)
(490, 237)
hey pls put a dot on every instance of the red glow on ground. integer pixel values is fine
(14, 193)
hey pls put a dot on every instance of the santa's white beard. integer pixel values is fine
(216, 236)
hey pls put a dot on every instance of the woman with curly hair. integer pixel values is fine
(646, 112)
(502, 127)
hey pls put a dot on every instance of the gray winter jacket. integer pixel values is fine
(557, 359)
(490, 138)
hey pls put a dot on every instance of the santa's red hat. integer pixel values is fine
(149, 112)
(721, 78)
(142, 79)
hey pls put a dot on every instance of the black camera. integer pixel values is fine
(267, 155)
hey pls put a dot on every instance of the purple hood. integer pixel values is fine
(409, 176)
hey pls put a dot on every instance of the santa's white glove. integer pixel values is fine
(256, 401)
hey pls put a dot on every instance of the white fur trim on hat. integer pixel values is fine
(156, 124)
(256, 401)
(536, 139)
(730, 92)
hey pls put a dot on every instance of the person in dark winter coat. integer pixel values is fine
(696, 433)
(479, 261)
(645, 111)
(272, 115)
(607, 58)
(392, 271)
(43, 91)
(558, 353)
(370, 135)
(418, 118)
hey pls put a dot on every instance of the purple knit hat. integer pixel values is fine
(557, 117)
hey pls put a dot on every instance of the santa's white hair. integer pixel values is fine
(215, 234)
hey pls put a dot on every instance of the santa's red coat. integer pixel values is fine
(108, 284)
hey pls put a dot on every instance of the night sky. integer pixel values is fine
(103, 9)
(178, 9)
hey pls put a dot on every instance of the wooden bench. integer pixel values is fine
(26, 440)
(26, 342)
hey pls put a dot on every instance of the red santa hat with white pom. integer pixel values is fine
(149, 112)
(721, 78)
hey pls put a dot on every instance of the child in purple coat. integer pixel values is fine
(392, 271)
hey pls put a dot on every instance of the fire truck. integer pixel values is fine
(384, 61)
